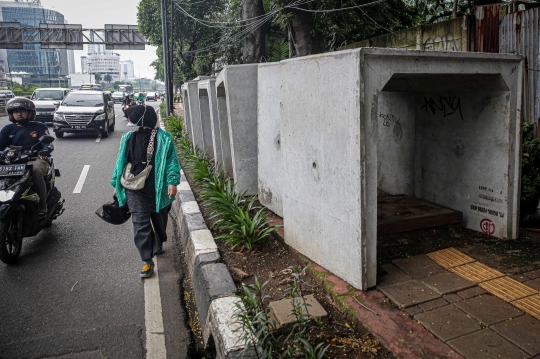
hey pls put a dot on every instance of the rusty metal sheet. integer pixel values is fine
(519, 33)
(487, 27)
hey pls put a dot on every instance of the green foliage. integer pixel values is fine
(258, 327)
(163, 112)
(242, 224)
(530, 170)
(173, 124)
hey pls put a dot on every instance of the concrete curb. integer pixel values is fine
(213, 286)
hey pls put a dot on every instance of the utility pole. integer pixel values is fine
(166, 67)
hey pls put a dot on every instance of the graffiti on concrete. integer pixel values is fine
(442, 43)
(388, 119)
(448, 105)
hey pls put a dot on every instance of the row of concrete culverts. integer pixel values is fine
(316, 137)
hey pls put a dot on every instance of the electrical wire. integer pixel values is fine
(340, 9)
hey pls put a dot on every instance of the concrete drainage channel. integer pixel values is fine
(213, 286)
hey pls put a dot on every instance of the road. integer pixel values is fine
(75, 291)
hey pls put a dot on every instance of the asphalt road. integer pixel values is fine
(75, 291)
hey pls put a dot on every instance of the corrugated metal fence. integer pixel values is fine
(519, 33)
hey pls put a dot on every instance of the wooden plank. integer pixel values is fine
(401, 213)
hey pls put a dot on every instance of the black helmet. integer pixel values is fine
(112, 213)
(21, 103)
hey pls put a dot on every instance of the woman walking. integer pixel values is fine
(149, 202)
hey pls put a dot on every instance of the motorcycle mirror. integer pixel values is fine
(46, 139)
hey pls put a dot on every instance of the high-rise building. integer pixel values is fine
(127, 70)
(104, 64)
(32, 59)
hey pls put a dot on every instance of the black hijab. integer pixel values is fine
(146, 118)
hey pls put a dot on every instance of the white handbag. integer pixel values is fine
(136, 182)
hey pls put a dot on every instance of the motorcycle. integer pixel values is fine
(140, 102)
(19, 212)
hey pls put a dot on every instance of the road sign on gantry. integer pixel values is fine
(70, 36)
(123, 37)
(10, 35)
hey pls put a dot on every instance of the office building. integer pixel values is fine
(50, 63)
(127, 70)
(105, 64)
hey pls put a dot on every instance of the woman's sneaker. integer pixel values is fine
(147, 269)
(159, 251)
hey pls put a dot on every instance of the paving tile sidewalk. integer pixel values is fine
(460, 313)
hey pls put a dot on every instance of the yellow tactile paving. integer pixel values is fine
(530, 305)
(450, 257)
(476, 272)
(508, 289)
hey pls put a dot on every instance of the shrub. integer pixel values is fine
(258, 327)
(530, 170)
(244, 225)
(174, 125)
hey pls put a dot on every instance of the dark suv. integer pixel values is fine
(85, 111)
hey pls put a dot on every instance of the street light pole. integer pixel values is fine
(166, 67)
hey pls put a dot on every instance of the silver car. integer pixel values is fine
(47, 101)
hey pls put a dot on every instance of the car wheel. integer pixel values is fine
(105, 133)
(111, 128)
(59, 134)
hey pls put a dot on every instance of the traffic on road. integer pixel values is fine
(74, 290)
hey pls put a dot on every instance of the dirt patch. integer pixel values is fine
(270, 263)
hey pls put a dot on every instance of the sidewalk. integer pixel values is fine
(445, 305)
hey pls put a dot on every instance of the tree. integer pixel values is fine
(98, 77)
(255, 41)
(107, 78)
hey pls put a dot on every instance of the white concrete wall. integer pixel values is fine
(396, 143)
(240, 84)
(337, 150)
(270, 163)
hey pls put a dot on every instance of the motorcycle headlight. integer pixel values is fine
(100, 117)
(6, 195)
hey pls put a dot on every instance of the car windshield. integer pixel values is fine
(83, 100)
(116, 94)
(47, 95)
(4, 92)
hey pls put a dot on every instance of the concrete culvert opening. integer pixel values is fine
(443, 152)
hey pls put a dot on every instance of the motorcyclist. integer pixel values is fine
(128, 101)
(140, 97)
(25, 132)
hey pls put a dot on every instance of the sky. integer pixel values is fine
(94, 14)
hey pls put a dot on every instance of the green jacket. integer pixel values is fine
(166, 166)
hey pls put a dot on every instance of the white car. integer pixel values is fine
(47, 101)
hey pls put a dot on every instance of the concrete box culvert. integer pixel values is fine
(210, 119)
(185, 102)
(195, 115)
(443, 127)
(239, 83)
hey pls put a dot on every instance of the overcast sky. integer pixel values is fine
(94, 14)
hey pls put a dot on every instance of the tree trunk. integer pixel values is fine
(305, 37)
(255, 41)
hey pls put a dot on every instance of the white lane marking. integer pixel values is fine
(82, 178)
(153, 317)
(98, 138)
